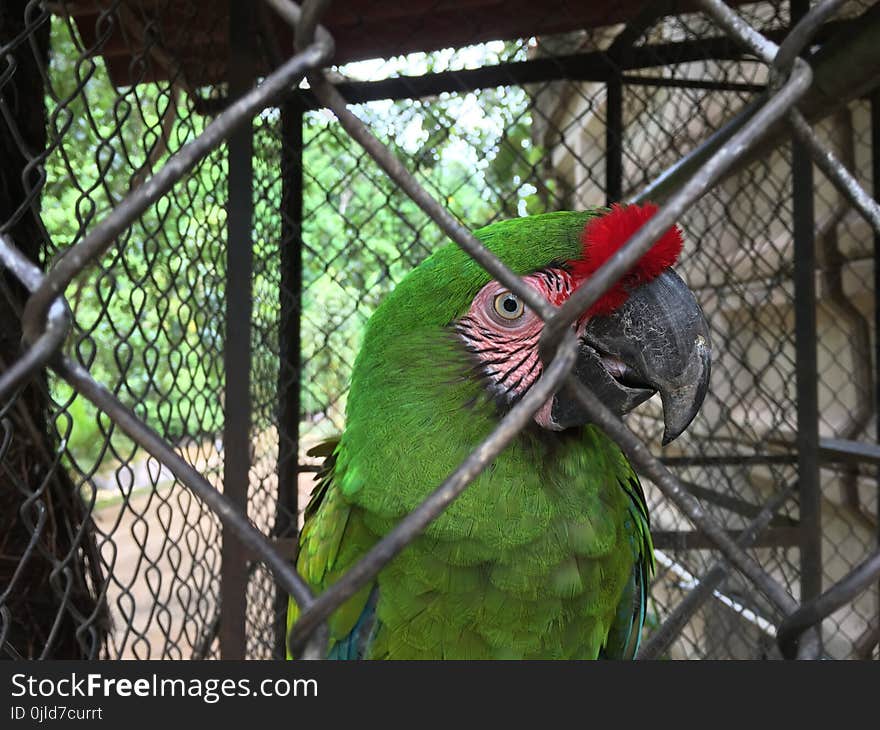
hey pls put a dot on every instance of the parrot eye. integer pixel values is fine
(508, 305)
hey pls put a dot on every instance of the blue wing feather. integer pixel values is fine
(357, 644)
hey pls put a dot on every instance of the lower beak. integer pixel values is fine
(656, 342)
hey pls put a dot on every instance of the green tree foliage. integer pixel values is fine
(146, 317)
(150, 319)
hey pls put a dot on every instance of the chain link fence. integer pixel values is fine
(221, 232)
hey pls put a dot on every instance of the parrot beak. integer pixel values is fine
(656, 342)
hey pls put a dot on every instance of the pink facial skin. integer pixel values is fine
(503, 335)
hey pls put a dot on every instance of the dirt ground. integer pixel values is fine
(162, 550)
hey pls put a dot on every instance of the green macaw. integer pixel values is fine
(548, 553)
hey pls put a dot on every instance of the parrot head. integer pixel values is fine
(450, 343)
(645, 335)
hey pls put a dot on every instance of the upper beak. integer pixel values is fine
(657, 341)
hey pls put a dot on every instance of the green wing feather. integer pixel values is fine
(626, 630)
(333, 538)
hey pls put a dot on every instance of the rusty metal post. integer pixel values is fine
(807, 366)
(289, 365)
(237, 346)
(875, 170)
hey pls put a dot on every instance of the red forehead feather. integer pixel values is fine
(604, 235)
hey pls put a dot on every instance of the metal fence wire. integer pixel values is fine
(192, 237)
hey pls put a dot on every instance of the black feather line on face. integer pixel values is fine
(489, 335)
(477, 351)
(489, 363)
(468, 327)
(510, 371)
(467, 335)
(510, 392)
(503, 398)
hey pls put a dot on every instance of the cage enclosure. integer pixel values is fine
(192, 237)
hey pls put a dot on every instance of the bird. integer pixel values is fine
(548, 553)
